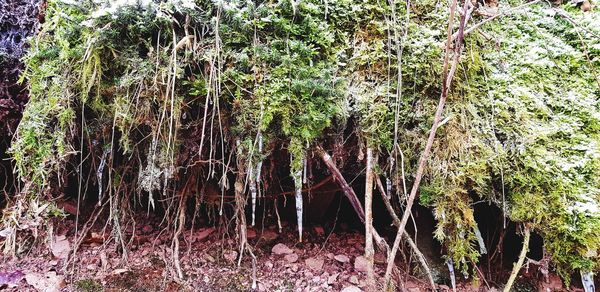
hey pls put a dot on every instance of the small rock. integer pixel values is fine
(361, 264)
(351, 288)
(315, 263)
(332, 279)
(269, 264)
(291, 258)
(294, 268)
(353, 279)
(342, 258)
(280, 249)
(444, 287)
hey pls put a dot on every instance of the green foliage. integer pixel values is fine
(521, 126)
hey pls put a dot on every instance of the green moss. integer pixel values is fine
(521, 126)
(88, 285)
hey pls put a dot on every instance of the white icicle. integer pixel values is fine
(252, 186)
(452, 276)
(388, 186)
(298, 185)
(587, 279)
(255, 180)
(482, 249)
(100, 174)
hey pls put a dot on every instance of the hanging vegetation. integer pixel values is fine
(152, 103)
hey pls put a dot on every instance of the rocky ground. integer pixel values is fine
(325, 261)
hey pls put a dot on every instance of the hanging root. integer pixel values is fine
(519, 262)
(240, 217)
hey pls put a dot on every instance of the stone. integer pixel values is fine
(315, 264)
(353, 279)
(342, 258)
(361, 264)
(281, 249)
(291, 258)
(351, 288)
(332, 279)
(269, 264)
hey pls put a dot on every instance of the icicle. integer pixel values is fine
(482, 249)
(252, 186)
(587, 279)
(255, 179)
(298, 185)
(278, 217)
(388, 186)
(100, 173)
(452, 277)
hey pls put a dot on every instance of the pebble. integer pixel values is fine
(291, 258)
(351, 288)
(342, 258)
(280, 249)
(315, 264)
(361, 264)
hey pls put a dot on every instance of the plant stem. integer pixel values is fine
(519, 262)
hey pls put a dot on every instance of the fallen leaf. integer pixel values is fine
(50, 282)
(61, 247)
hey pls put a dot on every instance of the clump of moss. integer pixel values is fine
(88, 285)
